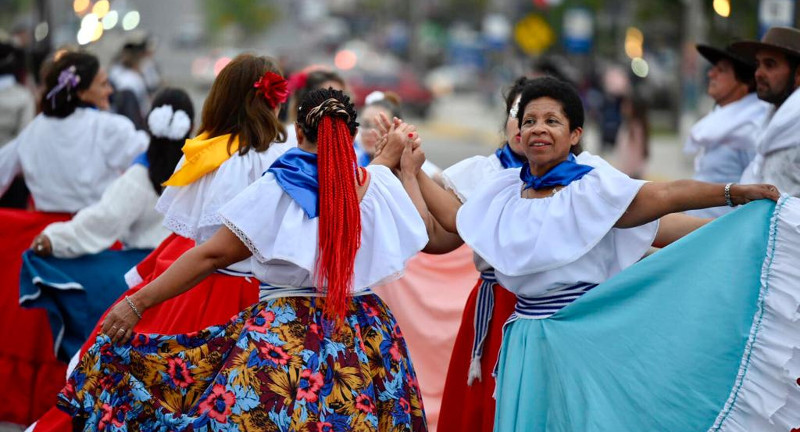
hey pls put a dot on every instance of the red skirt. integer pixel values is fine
(30, 374)
(213, 301)
(471, 407)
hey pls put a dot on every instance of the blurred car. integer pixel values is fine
(416, 98)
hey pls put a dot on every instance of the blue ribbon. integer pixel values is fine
(296, 173)
(508, 158)
(560, 175)
(142, 160)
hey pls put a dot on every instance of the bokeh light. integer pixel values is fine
(634, 41)
(220, 64)
(640, 67)
(722, 8)
(101, 8)
(345, 60)
(130, 21)
(110, 20)
(41, 31)
(80, 6)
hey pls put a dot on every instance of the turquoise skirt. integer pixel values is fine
(701, 336)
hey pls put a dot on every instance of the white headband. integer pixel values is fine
(164, 123)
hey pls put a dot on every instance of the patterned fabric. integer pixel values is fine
(277, 366)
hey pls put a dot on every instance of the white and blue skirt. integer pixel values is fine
(701, 336)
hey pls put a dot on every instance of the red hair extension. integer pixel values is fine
(339, 215)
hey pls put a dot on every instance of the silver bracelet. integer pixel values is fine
(133, 306)
(728, 195)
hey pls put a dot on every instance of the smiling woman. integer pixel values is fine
(555, 232)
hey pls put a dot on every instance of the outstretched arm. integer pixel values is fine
(657, 199)
(220, 251)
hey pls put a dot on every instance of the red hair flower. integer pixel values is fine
(274, 88)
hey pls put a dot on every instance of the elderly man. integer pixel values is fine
(777, 78)
(725, 140)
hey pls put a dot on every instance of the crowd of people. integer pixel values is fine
(241, 272)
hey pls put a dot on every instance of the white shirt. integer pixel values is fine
(775, 162)
(125, 213)
(68, 162)
(538, 245)
(192, 211)
(17, 108)
(724, 142)
(283, 239)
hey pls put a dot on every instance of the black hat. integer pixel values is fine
(713, 55)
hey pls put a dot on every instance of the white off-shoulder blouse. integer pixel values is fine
(538, 245)
(192, 211)
(283, 239)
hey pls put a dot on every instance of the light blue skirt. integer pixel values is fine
(703, 335)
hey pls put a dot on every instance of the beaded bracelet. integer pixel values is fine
(133, 306)
(728, 195)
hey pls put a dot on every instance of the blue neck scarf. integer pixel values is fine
(142, 160)
(560, 175)
(296, 173)
(508, 158)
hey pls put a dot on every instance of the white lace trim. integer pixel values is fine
(243, 238)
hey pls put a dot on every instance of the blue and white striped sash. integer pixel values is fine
(484, 307)
(547, 304)
(269, 292)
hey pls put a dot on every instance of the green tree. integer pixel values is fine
(252, 16)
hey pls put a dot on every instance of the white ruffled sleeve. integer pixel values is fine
(192, 211)
(465, 177)
(392, 231)
(519, 236)
(284, 240)
(120, 140)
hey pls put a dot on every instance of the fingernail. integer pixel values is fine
(411, 135)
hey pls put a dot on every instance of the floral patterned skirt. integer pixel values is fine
(279, 365)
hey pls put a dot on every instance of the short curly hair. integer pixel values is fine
(554, 88)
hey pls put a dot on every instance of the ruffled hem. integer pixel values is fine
(766, 394)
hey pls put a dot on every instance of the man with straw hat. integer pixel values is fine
(777, 76)
(724, 141)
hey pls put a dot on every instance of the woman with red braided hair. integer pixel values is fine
(239, 137)
(319, 351)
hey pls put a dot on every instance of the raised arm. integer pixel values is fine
(657, 199)
(220, 251)
(440, 241)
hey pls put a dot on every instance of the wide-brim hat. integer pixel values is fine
(713, 55)
(784, 39)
